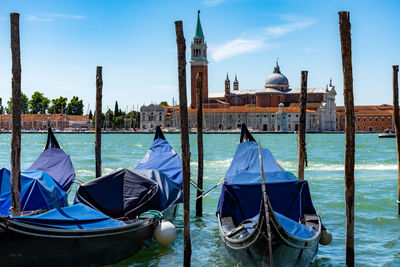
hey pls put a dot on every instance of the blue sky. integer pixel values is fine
(62, 42)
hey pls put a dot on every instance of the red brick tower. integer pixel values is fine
(198, 62)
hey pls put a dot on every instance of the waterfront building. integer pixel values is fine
(276, 95)
(368, 118)
(152, 116)
(276, 119)
(40, 121)
(274, 108)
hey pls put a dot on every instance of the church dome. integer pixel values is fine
(277, 80)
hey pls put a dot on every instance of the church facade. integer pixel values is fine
(275, 107)
(276, 97)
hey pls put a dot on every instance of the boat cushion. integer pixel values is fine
(292, 227)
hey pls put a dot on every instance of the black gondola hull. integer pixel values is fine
(23, 244)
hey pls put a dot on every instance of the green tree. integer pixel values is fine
(119, 122)
(116, 110)
(164, 103)
(24, 104)
(103, 119)
(135, 116)
(75, 106)
(1, 106)
(38, 103)
(90, 115)
(57, 105)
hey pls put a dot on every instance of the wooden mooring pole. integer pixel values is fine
(99, 96)
(397, 127)
(345, 39)
(302, 126)
(16, 117)
(180, 41)
(199, 104)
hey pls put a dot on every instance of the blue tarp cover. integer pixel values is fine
(55, 162)
(127, 193)
(241, 196)
(163, 158)
(38, 191)
(77, 216)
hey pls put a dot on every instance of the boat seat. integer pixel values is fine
(227, 224)
(310, 220)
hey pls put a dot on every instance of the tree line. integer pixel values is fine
(39, 104)
(118, 118)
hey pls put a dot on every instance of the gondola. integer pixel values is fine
(387, 135)
(280, 228)
(109, 221)
(54, 161)
(44, 185)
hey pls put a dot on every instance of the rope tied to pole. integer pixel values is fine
(208, 192)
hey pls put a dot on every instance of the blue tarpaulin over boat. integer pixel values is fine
(241, 195)
(154, 184)
(127, 193)
(58, 164)
(163, 158)
(78, 216)
(38, 191)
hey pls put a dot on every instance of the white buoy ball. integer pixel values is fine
(165, 233)
(326, 237)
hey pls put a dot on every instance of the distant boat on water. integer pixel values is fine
(387, 135)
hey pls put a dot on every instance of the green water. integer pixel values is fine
(377, 227)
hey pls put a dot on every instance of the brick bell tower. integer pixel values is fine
(198, 62)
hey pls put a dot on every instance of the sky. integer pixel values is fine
(62, 43)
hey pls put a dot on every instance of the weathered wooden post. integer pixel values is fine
(302, 126)
(345, 39)
(397, 126)
(180, 41)
(99, 96)
(16, 117)
(199, 101)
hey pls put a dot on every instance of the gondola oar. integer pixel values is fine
(266, 200)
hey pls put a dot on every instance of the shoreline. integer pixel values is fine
(178, 132)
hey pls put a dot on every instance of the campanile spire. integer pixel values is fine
(198, 62)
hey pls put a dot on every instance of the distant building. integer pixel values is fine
(152, 116)
(274, 108)
(368, 118)
(276, 119)
(40, 121)
(276, 93)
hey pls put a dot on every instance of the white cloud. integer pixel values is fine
(277, 31)
(66, 16)
(53, 16)
(259, 39)
(213, 2)
(237, 47)
(36, 18)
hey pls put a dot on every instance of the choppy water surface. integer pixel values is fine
(377, 227)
